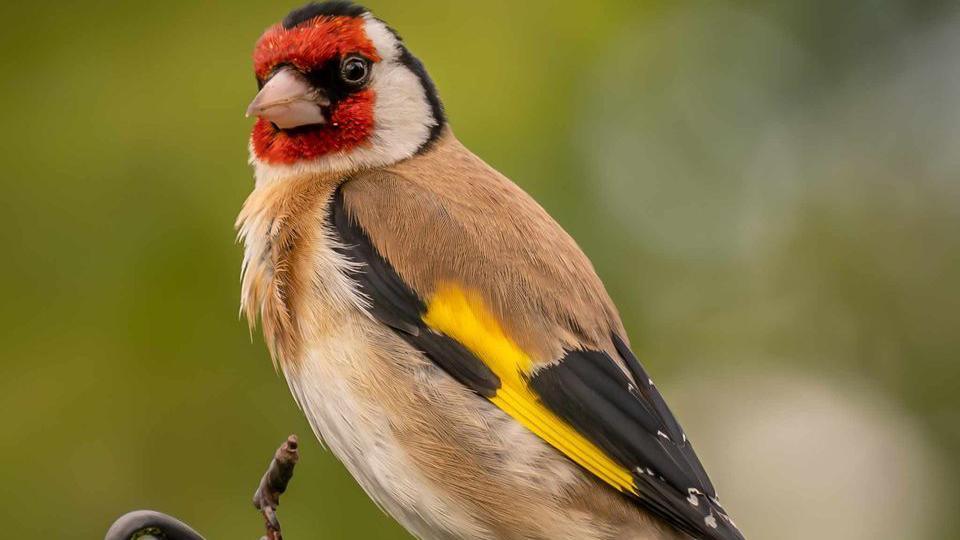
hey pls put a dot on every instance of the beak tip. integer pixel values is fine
(289, 100)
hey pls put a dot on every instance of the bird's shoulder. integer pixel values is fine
(446, 219)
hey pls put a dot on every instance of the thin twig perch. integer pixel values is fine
(274, 483)
(150, 524)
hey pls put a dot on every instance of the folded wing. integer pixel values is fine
(612, 422)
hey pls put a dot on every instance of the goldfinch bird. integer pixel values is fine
(444, 336)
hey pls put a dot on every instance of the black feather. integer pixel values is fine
(322, 9)
(652, 395)
(631, 422)
(396, 305)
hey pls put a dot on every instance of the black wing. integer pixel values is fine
(630, 421)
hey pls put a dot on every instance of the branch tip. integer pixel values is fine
(274, 483)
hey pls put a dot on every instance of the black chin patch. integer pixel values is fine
(322, 9)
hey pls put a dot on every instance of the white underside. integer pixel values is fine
(343, 347)
(359, 435)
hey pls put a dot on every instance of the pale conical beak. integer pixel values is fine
(289, 100)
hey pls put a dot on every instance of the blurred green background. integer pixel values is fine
(770, 191)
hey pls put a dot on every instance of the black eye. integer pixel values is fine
(355, 70)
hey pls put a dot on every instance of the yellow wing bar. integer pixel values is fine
(463, 316)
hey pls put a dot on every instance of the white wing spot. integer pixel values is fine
(664, 435)
(710, 521)
(692, 499)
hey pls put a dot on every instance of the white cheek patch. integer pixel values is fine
(383, 39)
(403, 117)
(402, 114)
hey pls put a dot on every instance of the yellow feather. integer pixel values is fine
(464, 317)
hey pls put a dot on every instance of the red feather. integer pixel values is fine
(312, 44)
(308, 46)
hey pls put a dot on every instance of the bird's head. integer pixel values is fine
(339, 91)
